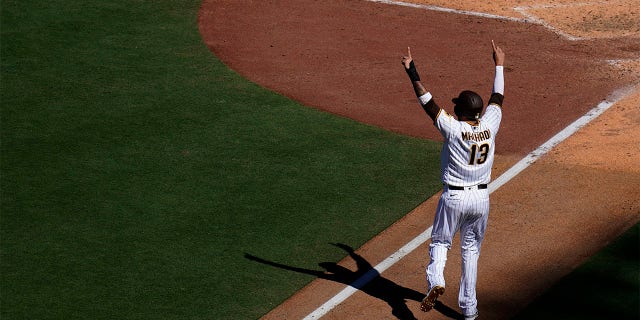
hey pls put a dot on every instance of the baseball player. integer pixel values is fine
(466, 160)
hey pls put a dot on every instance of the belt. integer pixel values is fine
(479, 187)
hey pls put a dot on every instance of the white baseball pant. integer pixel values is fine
(465, 211)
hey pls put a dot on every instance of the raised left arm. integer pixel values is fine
(497, 96)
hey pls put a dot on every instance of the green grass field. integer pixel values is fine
(607, 286)
(137, 171)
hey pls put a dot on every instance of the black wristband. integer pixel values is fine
(412, 72)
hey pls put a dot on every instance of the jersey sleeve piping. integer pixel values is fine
(435, 119)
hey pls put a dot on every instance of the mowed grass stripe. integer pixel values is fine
(137, 171)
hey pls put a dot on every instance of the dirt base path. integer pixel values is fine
(543, 224)
(344, 57)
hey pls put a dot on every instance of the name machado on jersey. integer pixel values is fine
(477, 136)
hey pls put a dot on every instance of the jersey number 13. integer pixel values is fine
(478, 153)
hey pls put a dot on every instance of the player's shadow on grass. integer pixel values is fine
(367, 280)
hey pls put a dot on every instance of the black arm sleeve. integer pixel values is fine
(496, 98)
(432, 109)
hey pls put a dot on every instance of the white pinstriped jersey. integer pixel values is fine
(467, 153)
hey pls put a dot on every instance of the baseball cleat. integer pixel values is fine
(429, 300)
(472, 317)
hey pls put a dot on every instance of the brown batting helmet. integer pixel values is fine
(468, 105)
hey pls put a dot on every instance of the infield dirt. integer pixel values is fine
(344, 57)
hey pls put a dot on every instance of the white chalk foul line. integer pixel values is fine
(559, 137)
(523, 10)
(493, 186)
(370, 275)
(443, 9)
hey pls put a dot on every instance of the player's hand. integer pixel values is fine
(498, 54)
(406, 60)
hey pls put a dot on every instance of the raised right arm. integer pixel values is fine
(425, 98)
